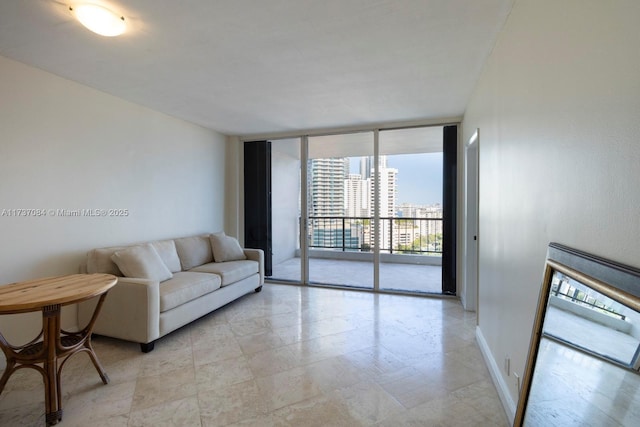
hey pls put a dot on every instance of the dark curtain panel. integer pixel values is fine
(449, 197)
(257, 199)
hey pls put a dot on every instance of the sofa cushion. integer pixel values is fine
(186, 286)
(230, 271)
(99, 261)
(143, 262)
(167, 251)
(226, 248)
(194, 251)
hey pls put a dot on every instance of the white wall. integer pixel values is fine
(558, 107)
(285, 197)
(234, 194)
(66, 146)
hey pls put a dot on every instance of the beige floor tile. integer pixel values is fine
(169, 386)
(435, 376)
(87, 405)
(216, 351)
(288, 387)
(25, 415)
(83, 421)
(222, 374)
(175, 341)
(179, 413)
(154, 364)
(266, 420)
(334, 373)
(368, 403)
(204, 335)
(288, 356)
(269, 362)
(251, 326)
(296, 333)
(375, 361)
(255, 343)
(442, 412)
(483, 397)
(25, 387)
(452, 371)
(285, 320)
(227, 405)
(319, 411)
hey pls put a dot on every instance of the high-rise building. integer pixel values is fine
(326, 199)
(365, 167)
(326, 184)
(388, 190)
(336, 193)
(357, 192)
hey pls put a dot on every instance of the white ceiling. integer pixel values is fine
(269, 66)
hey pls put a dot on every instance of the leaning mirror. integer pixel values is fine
(584, 356)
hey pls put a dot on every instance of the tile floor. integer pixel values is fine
(572, 388)
(359, 274)
(288, 356)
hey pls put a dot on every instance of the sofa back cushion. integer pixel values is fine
(142, 261)
(226, 248)
(167, 251)
(99, 261)
(194, 251)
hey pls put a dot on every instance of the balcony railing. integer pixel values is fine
(422, 236)
(581, 298)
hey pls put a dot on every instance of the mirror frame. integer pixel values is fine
(614, 280)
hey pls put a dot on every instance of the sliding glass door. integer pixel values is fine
(411, 209)
(285, 210)
(370, 210)
(339, 209)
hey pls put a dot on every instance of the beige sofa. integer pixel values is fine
(164, 285)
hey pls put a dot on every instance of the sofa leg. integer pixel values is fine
(258, 289)
(146, 348)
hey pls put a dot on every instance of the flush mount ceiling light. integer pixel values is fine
(98, 19)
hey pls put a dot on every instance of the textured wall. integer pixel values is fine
(558, 107)
(64, 146)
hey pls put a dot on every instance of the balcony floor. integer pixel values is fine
(393, 276)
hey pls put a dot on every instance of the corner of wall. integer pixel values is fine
(498, 381)
(233, 178)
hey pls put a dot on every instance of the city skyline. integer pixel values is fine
(419, 179)
(341, 204)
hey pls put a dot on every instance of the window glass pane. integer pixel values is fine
(410, 172)
(340, 210)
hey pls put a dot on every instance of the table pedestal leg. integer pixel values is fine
(55, 344)
(51, 331)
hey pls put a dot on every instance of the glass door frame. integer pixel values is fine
(304, 197)
(304, 213)
(376, 211)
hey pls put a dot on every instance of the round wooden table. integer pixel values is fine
(49, 295)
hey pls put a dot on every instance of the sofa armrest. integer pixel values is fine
(131, 311)
(257, 255)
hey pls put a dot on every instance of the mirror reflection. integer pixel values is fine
(586, 319)
(585, 372)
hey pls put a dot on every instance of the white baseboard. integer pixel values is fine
(503, 391)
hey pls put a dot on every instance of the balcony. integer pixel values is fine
(421, 236)
(340, 253)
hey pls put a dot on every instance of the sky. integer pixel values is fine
(419, 177)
